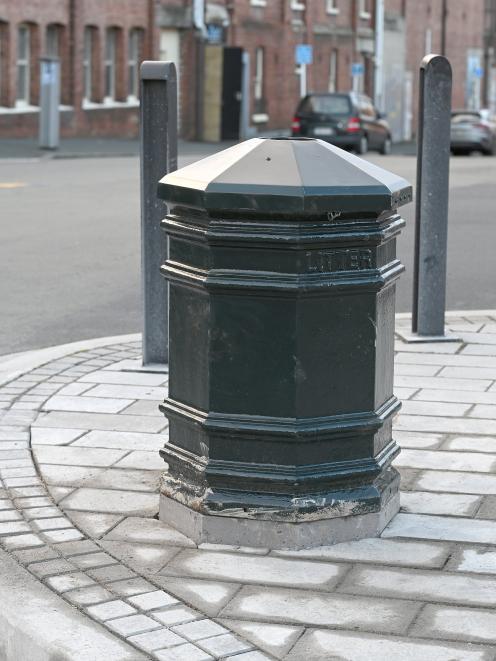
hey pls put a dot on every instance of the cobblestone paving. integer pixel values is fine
(79, 473)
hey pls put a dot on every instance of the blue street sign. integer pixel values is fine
(304, 54)
(357, 69)
(479, 72)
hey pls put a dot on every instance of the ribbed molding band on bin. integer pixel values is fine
(282, 271)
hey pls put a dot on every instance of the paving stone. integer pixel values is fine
(418, 407)
(22, 541)
(468, 624)
(152, 600)
(472, 444)
(21, 482)
(133, 624)
(286, 606)
(443, 528)
(414, 369)
(277, 639)
(483, 411)
(67, 535)
(130, 587)
(112, 502)
(36, 501)
(56, 475)
(28, 492)
(13, 527)
(488, 508)
(146, 530)
(6, 505)
(51, 524)
(125, 479)
(441, 383)
(476, 560)
(146, 406)
(73, 389)
(187, 652)
(208, 596)
(87, 404)
(467, 396)
(14, 445)
(51, 567)
(26, 471)
(111, 573)
(457, 482)
(77, 548)
(41, 512)
(88, 596)
(67, 582)
(50, 436)
(321, 645)
(101, 421)
(128, 393)
(255, 569)
(144, 558)
(94, 525)
(445, 425)
(426, 502)
(125, 378)
(478, 350)
(458, 360)
(35, 554)
(423, 585)
(176, 615)
(59, 493)
(249, 656)
(9, 515)
(143, 460)
(91, 560)
(475, 373)
(438, 460)
(157, 639)
(199, 630)
(123, 440)
(111, 610)
(76, 456)
(231, 548)
(221, 646)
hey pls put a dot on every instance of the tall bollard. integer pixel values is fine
(282, 270)
(431, 211)
(158, 154)
(49, 128)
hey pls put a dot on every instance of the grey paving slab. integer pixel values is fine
(60, 476)
(112, 502)
(69, 549)
(287, 606)
(57, 536)
(472, 444)
(462, 372)
(422, 585)
(413, 369)
(130, 586)
(479, 560)
(90, 560)
(110, 610)
(241, 568)
(123, 440)
(199, 629)
(276, 639)
(87, 404)
(23, 541)
(457, 482)
(176, 615)
(145, 406)
(72, 581)
(445, 425)
(484, 411)
(221, 646)
(101, 421)
(478, 350)
(111, 573)
(439, 460)
(427, 502)
(458, 360)
(488, 508)
(94, 524)
(142, 461)
(208, 596)
(442, 383)
(75, 456)
(88, 596)
(469, 624)
(148, 531)
(143, 558)
(125, 378)
(73, 389)
(418, 407)
(150, 601)
(321, 645)
(115, 392)
(157, 639)
(422, 526)
(133, 624)
(125, 479)
(186, 652)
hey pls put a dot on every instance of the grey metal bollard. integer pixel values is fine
(49, 128)
(158, 153)
(431, 211)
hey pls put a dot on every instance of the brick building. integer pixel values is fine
(235, 58)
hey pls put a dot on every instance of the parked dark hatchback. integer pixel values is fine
(347, 120)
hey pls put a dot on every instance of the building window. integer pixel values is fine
(133, 62)
(52, 42)
(364, 9)
(332, 7)
(258, 3)
(333, 71)
(110, 63)
(298, 5)
(23, 64)
(259, 80)
(88, 63)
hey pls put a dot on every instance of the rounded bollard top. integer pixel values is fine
(285, 176)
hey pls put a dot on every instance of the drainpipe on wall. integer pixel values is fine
(379, 55)
(199, 25)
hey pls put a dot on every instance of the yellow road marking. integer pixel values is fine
(12, 184)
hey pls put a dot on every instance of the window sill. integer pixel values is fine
(333, 11)
(258, 3)
(26, 110)
(260, 118)
(108, 104)
(297, 6)
(365, 15)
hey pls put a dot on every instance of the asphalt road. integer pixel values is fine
(70, 245)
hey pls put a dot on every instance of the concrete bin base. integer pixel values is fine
(202, 528)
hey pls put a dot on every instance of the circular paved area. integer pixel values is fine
(82, 519)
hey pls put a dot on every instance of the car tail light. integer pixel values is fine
(296, 125)
(484, 127)
(353, 125)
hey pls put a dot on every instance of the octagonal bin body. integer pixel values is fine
(282, 269)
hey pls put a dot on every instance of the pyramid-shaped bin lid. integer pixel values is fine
(285, 176)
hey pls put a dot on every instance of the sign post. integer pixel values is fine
(303, 57)
(357, 70)
(49, 128)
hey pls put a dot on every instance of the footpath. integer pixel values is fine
(88, 572)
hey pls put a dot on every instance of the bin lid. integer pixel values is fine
(285, 176)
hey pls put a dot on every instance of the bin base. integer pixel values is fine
(260, 533)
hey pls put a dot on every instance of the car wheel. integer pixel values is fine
(489, 151)
(386, 146)
(363, 145)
